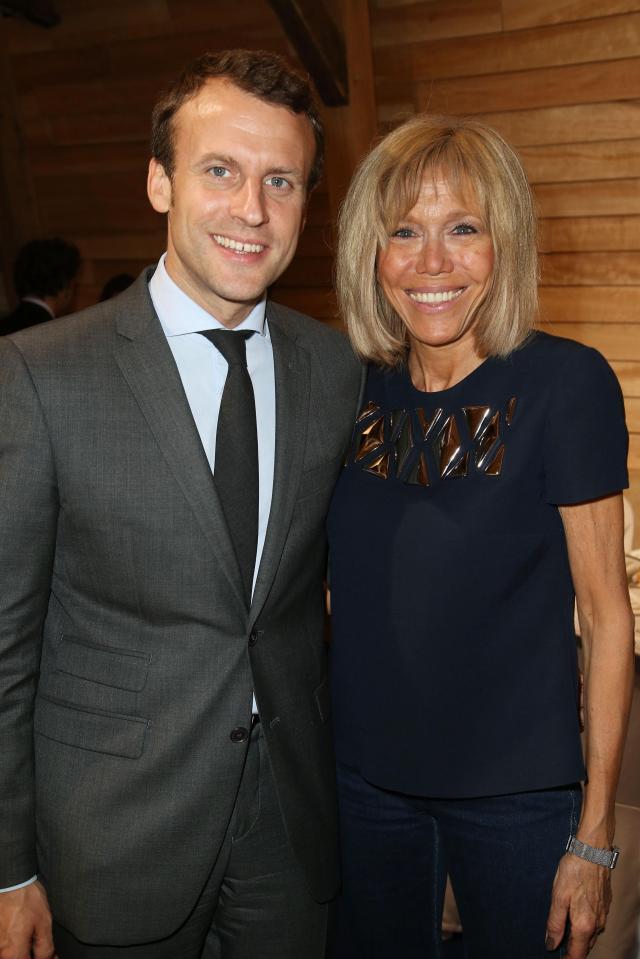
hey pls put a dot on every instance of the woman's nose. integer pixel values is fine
(434, 258)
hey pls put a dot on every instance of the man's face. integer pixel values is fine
(236, 202)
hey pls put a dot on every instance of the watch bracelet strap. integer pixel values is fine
(601, 857)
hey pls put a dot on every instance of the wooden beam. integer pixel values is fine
(319, 44)
(351, 128)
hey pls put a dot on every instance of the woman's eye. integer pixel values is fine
(403, 232)
(463, 229)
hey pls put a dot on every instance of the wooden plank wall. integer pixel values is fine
(78, 99)
(560, 79)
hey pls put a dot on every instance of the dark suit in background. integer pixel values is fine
(26, 314)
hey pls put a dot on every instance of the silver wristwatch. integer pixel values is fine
(602, 857)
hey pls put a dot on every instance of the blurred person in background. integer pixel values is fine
(116, 284)
(44, 277)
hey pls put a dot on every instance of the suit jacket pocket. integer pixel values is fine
(88, 729)
(110, 666)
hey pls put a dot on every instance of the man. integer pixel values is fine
(166, 751)
(44, 278)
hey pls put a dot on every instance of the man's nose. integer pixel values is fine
(248, 203)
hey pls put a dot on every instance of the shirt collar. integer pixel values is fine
(179, 314)
(39, 302)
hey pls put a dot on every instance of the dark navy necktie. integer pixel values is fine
(236, 461)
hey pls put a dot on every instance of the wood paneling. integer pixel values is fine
(586, 83)
(606, 160)
(589, 304)
(590, 233)
(568, 124)
(393, 24)
(632, 409)
(524, 13)
(591, 269)
(589, 198)
(628, 373)
(604, 39)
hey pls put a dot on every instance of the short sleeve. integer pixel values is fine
(586, 440)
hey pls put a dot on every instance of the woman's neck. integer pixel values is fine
(433, 369)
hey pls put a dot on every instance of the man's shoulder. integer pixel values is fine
(87, 331)
(311, 334)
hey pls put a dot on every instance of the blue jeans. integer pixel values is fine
(501, 853)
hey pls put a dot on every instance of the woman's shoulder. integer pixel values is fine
(553, 348)
(551, 356)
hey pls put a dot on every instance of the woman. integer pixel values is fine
(482, 486)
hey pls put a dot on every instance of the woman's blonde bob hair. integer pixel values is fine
(476, 163)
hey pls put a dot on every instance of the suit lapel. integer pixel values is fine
(291, 365)
(147, 364)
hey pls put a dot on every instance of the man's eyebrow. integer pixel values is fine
(282, 171)
(217, 158)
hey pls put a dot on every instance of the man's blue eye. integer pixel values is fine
(218, 170)
(277, 181)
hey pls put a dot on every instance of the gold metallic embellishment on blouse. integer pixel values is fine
(394, 443)
(379, 466)
(448, 450)
(477, 418)
(370, 408)
(419, 475)
(487, 440)
(371, 438)
(494, 467)
(404, 447)
(427, 425)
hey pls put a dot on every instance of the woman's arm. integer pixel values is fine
(594, 531)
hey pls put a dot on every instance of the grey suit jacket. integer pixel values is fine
(127, 655)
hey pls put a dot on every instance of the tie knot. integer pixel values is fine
(232, 344)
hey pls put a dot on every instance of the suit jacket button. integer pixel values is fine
(253, 637)
(239, 735)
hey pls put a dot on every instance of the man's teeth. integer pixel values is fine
(439, 297)
(238, 247)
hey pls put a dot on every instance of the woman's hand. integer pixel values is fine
(581, 897)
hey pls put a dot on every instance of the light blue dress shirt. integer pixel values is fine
(203, 371)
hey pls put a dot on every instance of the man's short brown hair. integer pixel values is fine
(263, 74)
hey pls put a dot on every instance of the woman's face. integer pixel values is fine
(437, 266)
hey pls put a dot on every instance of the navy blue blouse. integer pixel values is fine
(453, 653)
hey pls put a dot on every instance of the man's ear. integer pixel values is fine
(158, 187)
